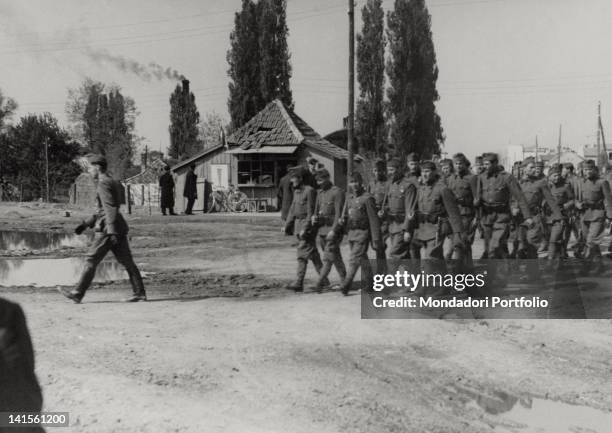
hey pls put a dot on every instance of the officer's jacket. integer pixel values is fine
(463, 188)
(379, 189)
(563, 195)
(494, 192)
(19, 388)
(302, 207)
(536, 193)
(108, 219)
(435, 202)
(401, 202)
(596, 199)
(362, 220)
(328, 208)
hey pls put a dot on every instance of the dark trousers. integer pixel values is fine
(190, 202)
(101, 246)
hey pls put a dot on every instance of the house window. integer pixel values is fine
(254, 170)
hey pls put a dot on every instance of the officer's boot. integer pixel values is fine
(323, 273)
(318, 264)
(298, 285)
(345, 287)
(339, 264)
(137, 285)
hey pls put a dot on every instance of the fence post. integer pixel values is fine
(129, 198)
(142, 197)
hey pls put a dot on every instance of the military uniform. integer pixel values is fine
(328, 209)
(379, 189)
(595, 205)
(574, 225)
(494, 192)
(563, 195)
(19, 388)
(401, 201)
(111, 232)
(463, 187)
(363, 227)
(300, 217)
(536, 192)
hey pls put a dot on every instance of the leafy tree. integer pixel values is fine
(210, 129)
(370, 122)
(28, 141)
(184, 120)
(259, 59)
(413, 72)
(7, 109)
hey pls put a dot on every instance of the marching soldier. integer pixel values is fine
(111, 235)
(446, 169)
(300, 218)
(412, 168)
(363, 226)
(436, 213)
(574, 225)
(379, 188)
(595, 205)
(495, 189)
(401, 201)
(536, 192)
(539, 169)
(478, 167)
(564, 198)
(462, 183)
(328, 209)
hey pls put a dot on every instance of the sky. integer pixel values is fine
(510, 70)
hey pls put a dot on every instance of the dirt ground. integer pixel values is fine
(222, 347)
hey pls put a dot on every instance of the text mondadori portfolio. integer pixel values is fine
(431, 302)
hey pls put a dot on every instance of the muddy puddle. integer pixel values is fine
(522, 414)
(53, 272)
(18, 241)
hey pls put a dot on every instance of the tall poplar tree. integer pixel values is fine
(370, 122)
(413, 72)
(184, 120)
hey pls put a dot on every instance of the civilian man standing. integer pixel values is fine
(110, 235)
(166, 184)
(190, 192)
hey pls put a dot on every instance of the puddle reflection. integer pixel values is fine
(28, 241)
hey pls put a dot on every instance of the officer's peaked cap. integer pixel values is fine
(428, 165)
(412, 157)
(490, 156)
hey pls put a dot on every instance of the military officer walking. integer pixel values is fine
(379, 189)
(574, 225)
(595, 205)
(328, 210)
(300, 219)
(563, 194)
(110, 235)
(363, 226)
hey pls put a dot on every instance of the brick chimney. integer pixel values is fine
(185, 86)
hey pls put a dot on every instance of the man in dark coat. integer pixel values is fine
(285, 193)
(190, 192)
(111, 235)
(19, 388)
(166, 185)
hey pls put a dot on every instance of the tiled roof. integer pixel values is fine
(276, 125)
(197, 157)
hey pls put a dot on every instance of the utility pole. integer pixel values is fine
(47, 166)
(601, 131)
(351, 89)
(536, 150)
(559, 147)
(598, 137)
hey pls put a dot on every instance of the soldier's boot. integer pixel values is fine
(318, 264)
(323, 273)
(298, 284)
(138, 289)
(345, 287)
(77, 294)
(339, 264)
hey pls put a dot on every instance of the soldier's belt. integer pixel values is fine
(397, 218)
(423, 217)
(594, 205)
(496, 208)
(325, 220)
(358, 225)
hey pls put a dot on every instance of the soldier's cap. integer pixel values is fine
(297, 172)
(446, 161)
(395, 163)
(539, 163)
(555, 169)
(478, 159)
(412, 157)
(380, 164)
(589, 163)
(97, 160)
(568, 165)
(322, 174)
(527, 161)
(356, 177)
(428, 165)
(462, 158)
(490, 156)
(311, 160)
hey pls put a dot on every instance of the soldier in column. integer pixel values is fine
(574, 225)
(563, 194)
(413, 171)
(379, 189)
(111, 231)
(328, 210)
(478, 165)
(299, 221)
(594, 205)
(536, 192)
(363, 227)
(495, 189)
(436, 214)
(446, 169)
(516, 217)
(401, 201)
(462, 183)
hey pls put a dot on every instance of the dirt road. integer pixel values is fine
(222, 347)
